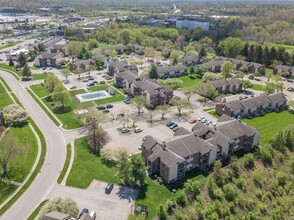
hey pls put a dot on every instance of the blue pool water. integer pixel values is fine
(95, 95)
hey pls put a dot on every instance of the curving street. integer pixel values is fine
(54, 160)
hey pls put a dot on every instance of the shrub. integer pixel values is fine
(266, 153)
(161, 212)
(241, 182)
(282, 177)
(262, 208)
(217, 194)
(257, 177)
(248, 161)
(229, 191)
(180, 198)
(235, 168)
(258, 193)
(15, 115)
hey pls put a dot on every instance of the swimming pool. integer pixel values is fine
(85, 97)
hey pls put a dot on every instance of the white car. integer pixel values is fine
(140, 147)
(204, 120)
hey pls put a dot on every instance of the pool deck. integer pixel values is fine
(105, 95)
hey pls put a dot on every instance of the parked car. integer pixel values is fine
(91, 84)
(102, 82)
(126, 100)
(44, 68)
(290, 89)
(101, 107)
(173, 126)
(108, 188)
(170, 123)
(109, 106)
(138, 130)
(93, 215)
(83, 212)
(144, 138)
(90, 78)
(290, 80)
(65, 81)
(140, 147)
(125, 130)
(85, 80)
(73, 87)
(95, 81)
(105, 111)
(192, 120)
(51, 68)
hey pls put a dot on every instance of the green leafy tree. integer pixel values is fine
(269, 87)
(251, 53)
(202, 53)
(231, 47)
(99, 63)
(191, 70)
(161, 213)
(22, 59)
(217, 166)
(61, 94)
(125, 37)
(246, 84)
(66, 73)
(41, 48)
(139, 102)
(279, 87)
(153, 72)
(124, 167)
(111, 53)
(92, 44)
(51, 82)
(245, 50)
(249, 161)
(207, 90)
(180, 104)
(227, 68)
(163, 110)
(26, 72)
(138, 169)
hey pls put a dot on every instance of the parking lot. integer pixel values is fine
(114, 206)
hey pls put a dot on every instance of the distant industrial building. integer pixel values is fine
(192, 23)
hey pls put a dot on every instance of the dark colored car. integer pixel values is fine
(169, 123)
(101, 107)
(125, 130)
(108, 188)
(144, 138)
(109, 106)
(91, 84)
(83, 212)
(173, 126)
(105, 111)
(73, 87)
(95, 81)
(90, 78)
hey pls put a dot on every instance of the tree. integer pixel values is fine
(202, 53)
(26, 72)
(163, 109)
(63, 205)
(138, 170)
(22, 59)
(66, 73)
(125, 37)
(231, 47)
(192, 188)
(153, 72)
(15, 115)
(251, 53)
(180, 104)
(280, 87)
(207, 90)
(227, 68)
(188, 94)
(139, 102)
(217, 166)
(161, 213)
(200, 71)
(92, 44)
(11, 63)
(41, 48)
(258, 54)
(269, 87)
(51, 82)
(273, 53)
(245, 50)
(61, 94)
(246, 84)
(134, 119)
(290, 104)
(124, 167)
(97, 136)
(111, 53)
(175, 55)
(74, 48)
(149, 52)
(9, 149)
(211, 76)
(97, 139)
(99, 63)
(248, 161)
(191, 70)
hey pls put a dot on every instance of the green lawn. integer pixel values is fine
(10, 45)
(67, 116)
(87, 166)
(5, 99)
(190, 83)
(39, 76)
(24, 161)
(270, 124)
(6, 191)
(289, 48)
(257, 87)
(11, 68)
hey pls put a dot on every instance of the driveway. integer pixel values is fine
(114, 206)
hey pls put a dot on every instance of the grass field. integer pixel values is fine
(65, 167)
(190, 83)
(5, 99)
(257, 87)
(87, 166)
(270, 124)
(10, 45)
(6, 191)
(39, 76)
(289, 48)
(67, 116)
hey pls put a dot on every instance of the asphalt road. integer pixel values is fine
(55, 157)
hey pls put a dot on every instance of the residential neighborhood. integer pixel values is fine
(136, 110)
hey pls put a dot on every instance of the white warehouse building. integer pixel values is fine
(192, 24)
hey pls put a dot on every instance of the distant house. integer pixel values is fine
(120, 66)
(213, 66)
(101, 57)
(189, 60)
(252, 107)
(172, 71)
(48, 42)
(120, 49)
(172, 158)
(48, 59)
(280, 69)
(57, 48)
(224, 86)
(255, 67)
(155, 94)
(238, 64)
(166, 52)
(82, 65)
(137, 48)
(54, 215)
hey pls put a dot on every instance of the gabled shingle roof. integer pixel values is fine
(168, 69)
(278, 97)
